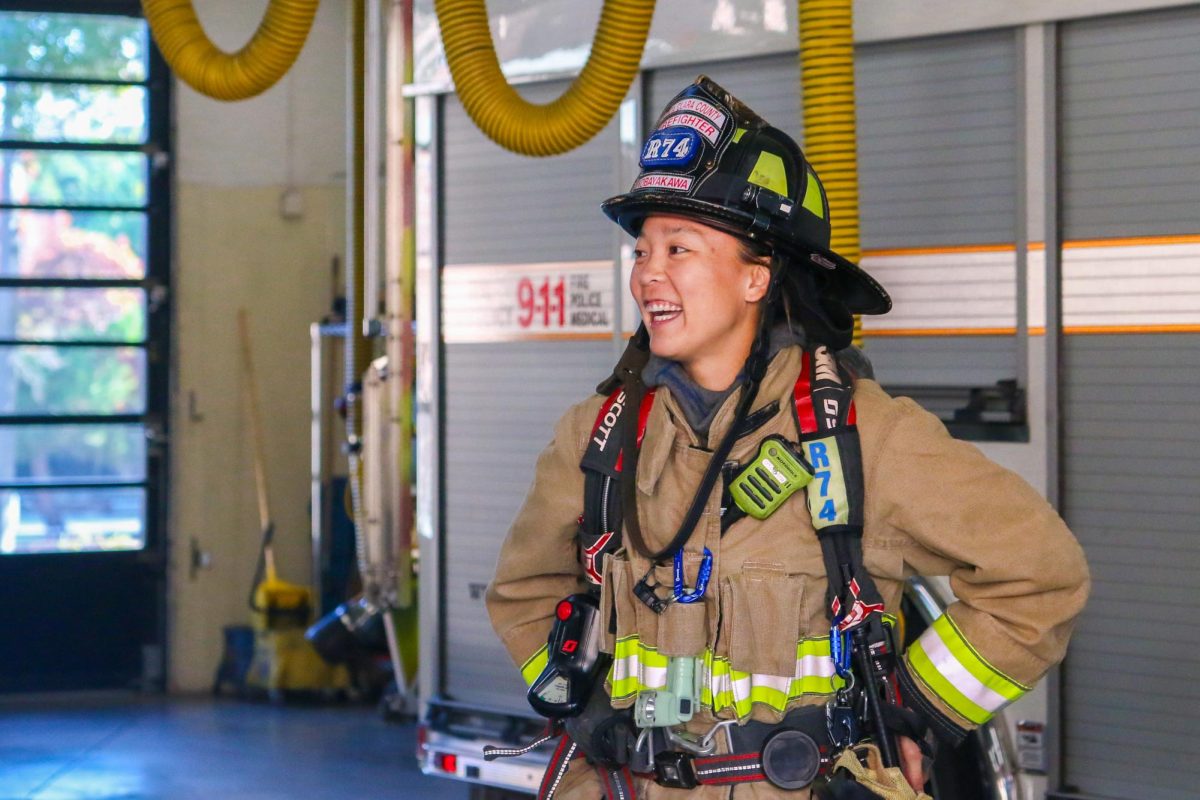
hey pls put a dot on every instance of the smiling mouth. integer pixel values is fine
(661, 312)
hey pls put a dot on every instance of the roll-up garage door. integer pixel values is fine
(937, 164)
(1131, 304)
(937, 133)
(770, 85)
(519, 235)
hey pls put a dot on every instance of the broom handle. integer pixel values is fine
(250, 396)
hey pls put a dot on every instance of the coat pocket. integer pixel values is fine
(761, 618)
(617, 613)
(681, 630)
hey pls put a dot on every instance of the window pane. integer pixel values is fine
(60, 314)
(60, 177)
(64, 453)
(54, 112)
(45, 379)
(72, 520)
(73, 244)
(72, 46)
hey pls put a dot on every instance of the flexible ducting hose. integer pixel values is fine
(575, 117)
(830, 126)
(224, 76)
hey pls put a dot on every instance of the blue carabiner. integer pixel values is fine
(839, 649)
(682, 595)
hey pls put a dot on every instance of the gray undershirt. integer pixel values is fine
(700, 405)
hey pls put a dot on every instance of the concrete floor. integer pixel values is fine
(138, 749)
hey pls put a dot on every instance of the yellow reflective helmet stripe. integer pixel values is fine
(770, 173)
(812, 196)
(947, 663)
(534, 665)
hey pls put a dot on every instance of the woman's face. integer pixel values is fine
(698, 298)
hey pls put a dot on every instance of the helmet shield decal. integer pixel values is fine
(712, 158)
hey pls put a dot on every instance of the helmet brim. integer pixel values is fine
(854, 287)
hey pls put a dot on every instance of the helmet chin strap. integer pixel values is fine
(754, 370)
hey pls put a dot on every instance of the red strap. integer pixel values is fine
(560, 762)
(643, 418)
(618, 783)
(733, 768)
(802, 396)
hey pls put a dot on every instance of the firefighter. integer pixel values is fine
(726, 665)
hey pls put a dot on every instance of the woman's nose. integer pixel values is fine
(648, 269)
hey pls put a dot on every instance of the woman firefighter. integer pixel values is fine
(700, 586)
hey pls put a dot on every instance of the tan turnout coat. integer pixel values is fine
(934, 506)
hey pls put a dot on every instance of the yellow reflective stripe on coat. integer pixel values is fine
(534, 665)
(638, 667)
(947, 663)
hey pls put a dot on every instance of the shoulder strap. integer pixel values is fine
(828, 424)
(600, 524)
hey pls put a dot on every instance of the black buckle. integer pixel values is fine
(645, 591)
(675, 771)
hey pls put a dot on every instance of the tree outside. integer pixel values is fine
(47, 376)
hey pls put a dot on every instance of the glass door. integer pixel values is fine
(84, 323)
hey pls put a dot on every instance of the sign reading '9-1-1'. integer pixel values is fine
(508, 302)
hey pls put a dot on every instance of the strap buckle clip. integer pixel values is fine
(675, 771)
(645, 591)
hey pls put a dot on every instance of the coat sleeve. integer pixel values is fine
(1017, 572)
(538, 563)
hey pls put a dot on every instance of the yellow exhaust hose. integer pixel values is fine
(830, 128)
(220, 75)
(575, 117)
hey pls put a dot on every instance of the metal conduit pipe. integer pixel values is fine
(575, 117)
(224, 76)
(357, 352)
(830, 124)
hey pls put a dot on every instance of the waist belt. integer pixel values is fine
(788, 754)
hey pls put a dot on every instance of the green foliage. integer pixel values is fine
(73, 380)
(73, 46)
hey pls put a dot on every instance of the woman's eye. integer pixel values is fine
(639, 254)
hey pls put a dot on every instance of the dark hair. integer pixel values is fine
(752, 252)
(804, 296)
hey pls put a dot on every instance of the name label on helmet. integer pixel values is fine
(705, 109)
(662, 180)
(695, 122)
(670, 148)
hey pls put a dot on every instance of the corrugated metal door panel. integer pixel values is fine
(770, 85)
(937, 165)
(937, 141)
(937, 157)
(922, 361)
(501, 403)
(501, 207)
(1131, 434)
(1131, 147)
(501, 400)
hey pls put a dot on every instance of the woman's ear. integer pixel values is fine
(760, 279)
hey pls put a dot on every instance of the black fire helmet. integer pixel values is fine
(713, 159)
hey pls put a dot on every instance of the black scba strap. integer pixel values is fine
(828, 424)
(602, 464)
